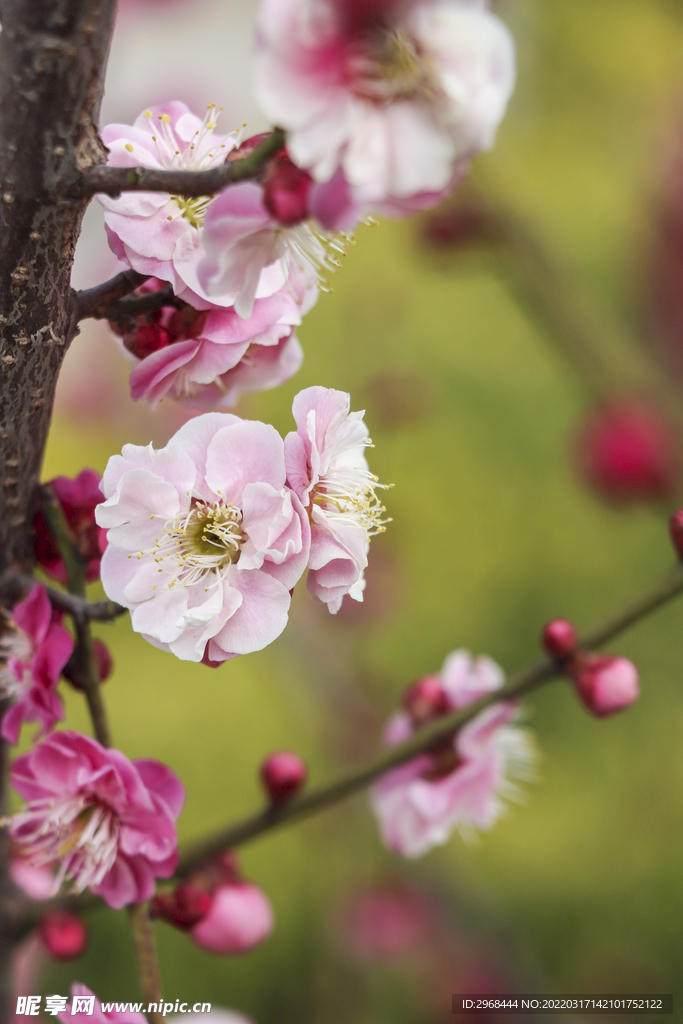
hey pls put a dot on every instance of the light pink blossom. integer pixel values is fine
(205, 539)
(239, 918)
(156, 233)
(209, 358)
(109, 823)
(462, 784)
(244, 242)
(98, 1015)
(327, 469)
(36, 650)
(397, 94)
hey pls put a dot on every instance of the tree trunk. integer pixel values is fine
(53, 56)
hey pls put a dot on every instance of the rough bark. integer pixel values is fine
(53, 57)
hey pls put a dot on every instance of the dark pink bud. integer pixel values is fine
(628, 452)
(105, 662)
(676, 531)
(285, 191)
(607, 684)
(453, 227)
(426, 699)
(64, 935)
(184, 907)
(248, 146)
(147, 338)
(559, 639)
(282, 774)
(78, 498)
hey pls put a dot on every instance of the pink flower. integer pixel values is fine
(96, 1015)
(153, 232)
(108, 822)
(244, 242)
(205, 539)
(36, 882)
(78, 498)
(396, 94)
(36, 652)
(606, 684)
(239, 918)
(327, 469)
(209, 358)
(461, 784)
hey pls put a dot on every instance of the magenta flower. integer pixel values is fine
(109, 823)
(205, 540)
(462, 784)
(36, 651)
(239, 918)
(82, 997)
(209, 358)
(78, 498)
(327, 469)
(396, 94)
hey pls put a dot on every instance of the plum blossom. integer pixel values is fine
(109, 823)
(118, 1014)
(327, 469)
(606, 684)
(460, 785)
(78, 498)
(205, 540)
(158, 234)
(34, 652)
(208, 358)
(398, 94)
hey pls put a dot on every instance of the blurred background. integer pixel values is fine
(520, 357)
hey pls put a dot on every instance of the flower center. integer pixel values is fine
(207, 540)
(390, 67)
(344, 494)
(316, 252)
(81, 834)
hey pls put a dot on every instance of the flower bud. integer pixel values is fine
(559, 639)
(285, 190)
(282, 774)
(73, 669)
(145, 339)
(628, 452)
(426, 699)
(184, 907)
(676, 531)
(239, 918)
(607, 684)
(78, 498)
(64, 935)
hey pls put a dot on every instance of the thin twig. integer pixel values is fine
(94, 302)
(114, 180)
(145, 952)
(519, 685)
(79, 608)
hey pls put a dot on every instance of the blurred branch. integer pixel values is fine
(145, 952)
(95, 302)
(80, 608)
(113, 180)
(84, 661)
(519, 685)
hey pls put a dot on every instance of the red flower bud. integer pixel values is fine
(559, 639)
(184, 907)
(607, 684)
(628, 452)
(426, 699)
(64, 935)
(285, 190)
(282, 774)
(676, 531)
(145, 339)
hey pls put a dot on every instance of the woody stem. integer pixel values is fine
(146, 954)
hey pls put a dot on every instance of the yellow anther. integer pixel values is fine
(165, 117)
(148, 113)
(211, 125)
(129, 147)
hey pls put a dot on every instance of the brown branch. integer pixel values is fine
(145, 950)
(87, 611)
(114, 180)
(94, 302)
(518, 685)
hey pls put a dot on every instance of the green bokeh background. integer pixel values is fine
(471, 409)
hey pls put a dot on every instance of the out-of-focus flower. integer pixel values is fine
(223, 913)
(460, 785)
(245, 243)
(560, 639)
(205, 540)
(606, 684)
(153, 232)
(209, 358)
(396, 94)
(78, 498)
(36, 882)
(327, 468)
(628, 452)
(109, 823)
(103, 661)
(35, 650)
(95, 1014)
(283, 774)
(64, 935)
(386, 921)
